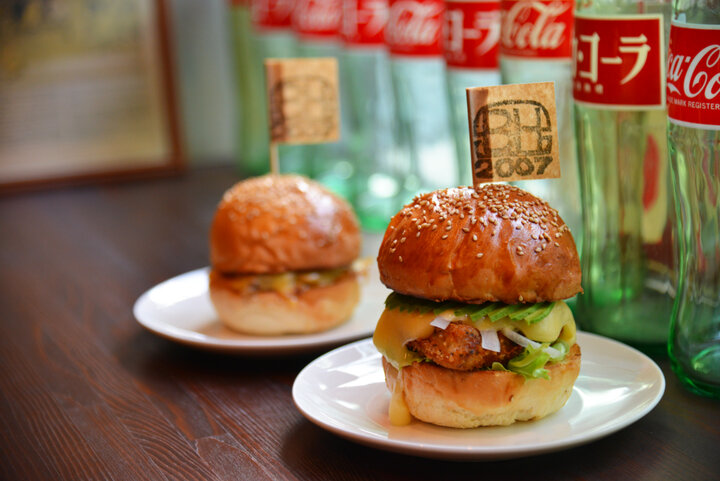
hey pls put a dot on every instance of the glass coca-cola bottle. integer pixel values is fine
(470, 43)
(377, 162)
(267, 34)
(413, 36)
(620, 123)
(693, 96)
(317, 25)
(536, 46)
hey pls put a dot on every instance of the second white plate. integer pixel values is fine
(344, 392)
(180, 309)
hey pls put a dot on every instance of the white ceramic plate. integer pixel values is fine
(179, 309)
(344, 392)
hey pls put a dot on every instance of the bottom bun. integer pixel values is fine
(270, 313)
(468, 399)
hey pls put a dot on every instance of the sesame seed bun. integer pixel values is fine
(279, 223)
(496, 243)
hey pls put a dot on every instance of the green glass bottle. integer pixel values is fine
(694, 142)
(626, 193)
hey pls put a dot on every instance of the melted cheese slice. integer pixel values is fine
(395, 328)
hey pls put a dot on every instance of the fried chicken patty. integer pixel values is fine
(459, 347)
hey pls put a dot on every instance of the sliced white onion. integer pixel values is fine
(518, 338)
(490, 340)
(523, 341)
(441, 322)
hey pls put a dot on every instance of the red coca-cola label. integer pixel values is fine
(471, 33)
(363, 22)
(317, 18)
(271, 14)
(618, 61)
(415, 27)
(536, 28)
(693, 75)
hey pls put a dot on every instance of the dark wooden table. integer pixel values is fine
(87, 393)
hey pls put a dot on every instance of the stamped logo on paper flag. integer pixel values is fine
(303, 100)
(513, 132)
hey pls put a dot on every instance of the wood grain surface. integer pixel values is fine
(87, 394)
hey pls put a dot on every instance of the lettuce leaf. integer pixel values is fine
(494, 311)
(530, 364)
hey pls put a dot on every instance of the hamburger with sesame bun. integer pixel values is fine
(283, 253)
(476, 332)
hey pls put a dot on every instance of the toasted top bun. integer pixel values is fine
(496, 243)
(279, 223)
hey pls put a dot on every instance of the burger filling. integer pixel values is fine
(287, 283)
(520, 338)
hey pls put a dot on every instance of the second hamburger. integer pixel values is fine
(476, 332)
(283, 251)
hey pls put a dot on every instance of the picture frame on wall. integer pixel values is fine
(87, 92)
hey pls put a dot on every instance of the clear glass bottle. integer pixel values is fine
(413, 36)
(378, 163)
(693, 78)
(260, 30)
(620, 126)
(535, 46)
(252, 141)
(317, 25)
(470, 45)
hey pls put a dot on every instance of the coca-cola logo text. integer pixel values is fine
(696, 79)
(693, 75)
(536, 28)
(317, 17)
(414, 27)
(272, 13)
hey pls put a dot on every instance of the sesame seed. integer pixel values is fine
(402, 240)
(538, 249)
(434, 227)
(474, 237)
(400, 258)
(558, 245)
(448, 227)
(445, 236)
(418, 234)
(521, 298)
(479, 255)
(466, 229)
